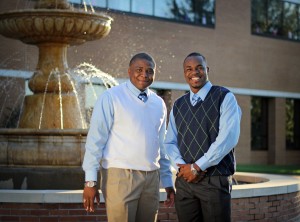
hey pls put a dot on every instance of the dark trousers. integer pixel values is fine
(207, 201)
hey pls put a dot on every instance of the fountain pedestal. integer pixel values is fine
(51, 73)
(54, 104)
(67, 114)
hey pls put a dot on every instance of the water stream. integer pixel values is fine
(85, 75)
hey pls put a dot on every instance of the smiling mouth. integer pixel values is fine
(195, 78)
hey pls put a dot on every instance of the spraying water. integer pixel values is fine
(85, 76)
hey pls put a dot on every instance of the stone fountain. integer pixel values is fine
(46, 151)
(52, 26)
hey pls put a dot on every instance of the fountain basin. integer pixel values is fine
(36, 159)
(47, 147)
(38, 26)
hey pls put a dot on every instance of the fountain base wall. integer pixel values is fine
(41, 178)
(41, 159)
(278, 199)
(273, 208)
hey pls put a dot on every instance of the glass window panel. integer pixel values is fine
(190, 11)
(122, 5)
(98, 3)
(75, 1)
(292, 109)
(259, 16)
(208, 14)
(259, 123)
(204, 12)
(144, 7)
(182, 11)
(275, 17)
(162, 8)
(290, 20)
(199, 12)
(289, 126)
(298, 30)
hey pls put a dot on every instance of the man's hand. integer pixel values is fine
(169, 202)
(89, 196)
(186, 173)
(199, 177)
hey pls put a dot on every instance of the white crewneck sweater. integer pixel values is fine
(134, 119)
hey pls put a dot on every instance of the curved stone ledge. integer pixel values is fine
(266, 185)
(43, 132)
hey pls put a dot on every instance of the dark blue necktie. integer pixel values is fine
(143, 96)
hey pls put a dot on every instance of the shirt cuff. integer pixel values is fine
(203, 163)
(91, 175)
(166, 182)
(179, 161)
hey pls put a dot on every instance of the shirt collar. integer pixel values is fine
(135, 90)
(202, 93)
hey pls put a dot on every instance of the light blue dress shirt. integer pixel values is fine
(229, 131)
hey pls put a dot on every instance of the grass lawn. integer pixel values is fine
(272, 169)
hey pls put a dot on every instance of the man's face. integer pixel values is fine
(195, 72)
(141, 73)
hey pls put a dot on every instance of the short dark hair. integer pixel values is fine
(142, 55)
(195, 54)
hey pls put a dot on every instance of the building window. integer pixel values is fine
(145, 7)
(97, 3)
(276, 18)
(198, 12)
(121, 5)
(192, 11)
(292, 124)
(259, 123)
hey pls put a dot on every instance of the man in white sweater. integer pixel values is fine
(125, 142)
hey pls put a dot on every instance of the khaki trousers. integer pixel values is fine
(130, 195)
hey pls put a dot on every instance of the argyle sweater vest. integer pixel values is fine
(198, 128)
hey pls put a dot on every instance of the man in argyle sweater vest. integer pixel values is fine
(203, 130)
(197, 131)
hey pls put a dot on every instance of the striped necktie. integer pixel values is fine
(195, 99)
(143, 96)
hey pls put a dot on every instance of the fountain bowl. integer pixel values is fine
(37, 26)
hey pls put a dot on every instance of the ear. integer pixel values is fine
(128, 71)
(207, 68)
